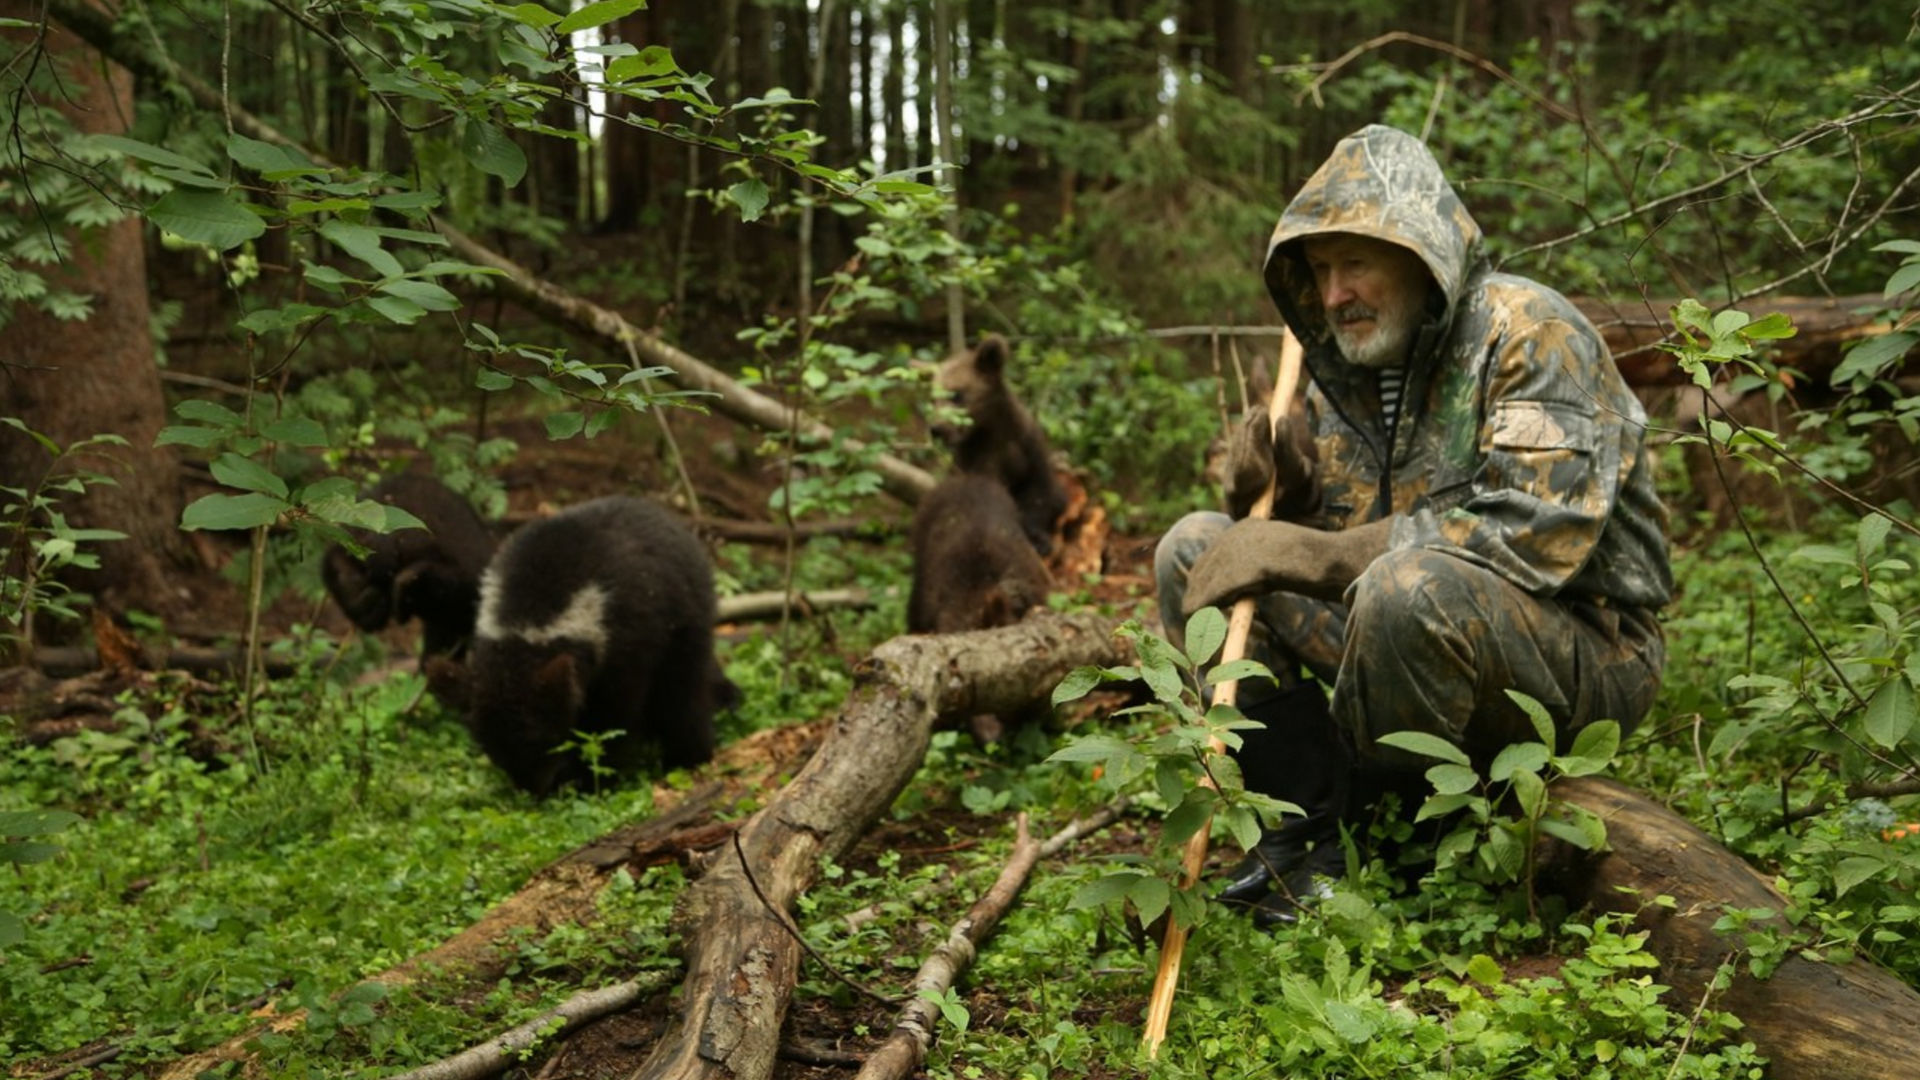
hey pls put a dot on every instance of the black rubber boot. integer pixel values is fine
(1301, 758)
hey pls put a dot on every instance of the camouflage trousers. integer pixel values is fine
(1427, 641)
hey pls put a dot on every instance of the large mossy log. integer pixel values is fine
(1813, 1020)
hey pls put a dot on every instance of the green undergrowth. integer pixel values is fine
(218, 869)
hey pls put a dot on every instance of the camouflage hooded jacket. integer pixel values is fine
(1519, 447)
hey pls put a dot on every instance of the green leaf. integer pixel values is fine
(36, 822)
(1537, 713)
(247, 475)
(751, 197)
(1151, 896)
(1569, 831)
(531, 14)
(489, 149)
(565, 425)
(1238, 670)
(1531, 791)
(1439, 805)
(270, 161)
(1092, 748)
(1903, 279)
(1206, 631)
(424, 293)
(1593, 749)
(12, 931)
(1189, 817)
(396, 310)
(651, 62)
(1426, 745)
(364, 244)
(1855, 870)
(1889, 718)
(147, 152)
(1871, 357)
(1451, 779)
(1503, 854)
(1517, 757)
(204, 217)
(1105, 890)
(598, 13)
(25, 852)
(298, 431)
(1484, 970)
(489, 379)
(1076, 685)
(232, 512)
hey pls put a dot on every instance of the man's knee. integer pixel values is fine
(1183, 543)
(1414, 594)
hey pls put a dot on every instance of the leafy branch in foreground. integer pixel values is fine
(1174, 764)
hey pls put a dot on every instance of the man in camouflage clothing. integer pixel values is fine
(1465, 507)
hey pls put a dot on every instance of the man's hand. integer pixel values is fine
(1256, 557)
(1260, 453)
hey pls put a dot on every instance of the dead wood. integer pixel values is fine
(741, 959)
(906, 1048)
(496, 1054)
(1815, 1021)
(776, 533)
(748, 607)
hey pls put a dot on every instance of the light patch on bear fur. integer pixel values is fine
(585, 618)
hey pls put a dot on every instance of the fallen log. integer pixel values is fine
(741, 959)
(1814, 1021)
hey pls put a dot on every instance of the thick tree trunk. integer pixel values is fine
(1851, 1021)
(742, 958)
(74, 380)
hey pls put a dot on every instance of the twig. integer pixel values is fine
(906, 1048)
(494, 1055)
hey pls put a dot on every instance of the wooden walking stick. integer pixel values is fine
(1239, 626)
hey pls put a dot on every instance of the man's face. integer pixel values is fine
(1373, 292)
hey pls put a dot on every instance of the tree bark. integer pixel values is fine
(73, 380)
(742, 957)
(1814, 1021)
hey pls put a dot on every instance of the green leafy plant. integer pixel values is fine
(1194, 783)
(1501, 847)
(41, 543)
(592, 748)
(18, 828)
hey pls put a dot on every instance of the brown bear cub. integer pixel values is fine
(598, 619)
(430, 574)
(1002, 440)
(973, 568)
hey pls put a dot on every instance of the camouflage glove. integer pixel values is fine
(1260, 453)
(1253, 558)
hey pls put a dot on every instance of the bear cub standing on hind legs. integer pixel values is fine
(599, 618)
(432, 575)
(973, 568)
(1002, 442)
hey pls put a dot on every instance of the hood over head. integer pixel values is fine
(1379, 182)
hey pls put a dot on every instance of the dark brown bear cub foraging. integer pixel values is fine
(1002, 441)
(595, 620)
(432, 575)
(973, 568)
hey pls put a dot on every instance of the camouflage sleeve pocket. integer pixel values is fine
(1540, 448)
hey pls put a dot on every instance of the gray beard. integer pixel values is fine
(1393, 334)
